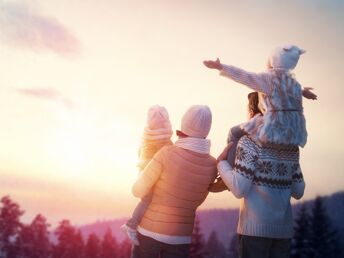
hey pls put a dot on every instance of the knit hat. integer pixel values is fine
(286, 57)
(157, 118)
(196, 121)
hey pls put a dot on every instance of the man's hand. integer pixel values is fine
(213, 64)
(306, 92)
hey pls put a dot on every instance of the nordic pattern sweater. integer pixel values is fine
(180, 180)
(265, 177)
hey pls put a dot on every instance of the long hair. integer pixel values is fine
(253, 104)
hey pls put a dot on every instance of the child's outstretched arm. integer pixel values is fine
(258, 82)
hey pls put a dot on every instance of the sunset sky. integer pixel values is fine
(77, 78)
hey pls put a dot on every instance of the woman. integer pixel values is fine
(179, 176)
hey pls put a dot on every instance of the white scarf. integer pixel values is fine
(198, 145)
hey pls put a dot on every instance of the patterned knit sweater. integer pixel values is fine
(265, 178)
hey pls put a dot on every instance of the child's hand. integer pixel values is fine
(213, 64)
(306, 92)
(224, 154)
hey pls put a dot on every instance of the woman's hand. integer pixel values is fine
(224, 154)
(213, 64)
(218, 186)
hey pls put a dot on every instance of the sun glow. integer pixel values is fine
(84, 144)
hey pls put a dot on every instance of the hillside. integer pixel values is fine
(224, 221)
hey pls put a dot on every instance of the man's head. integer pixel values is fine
(196, 122)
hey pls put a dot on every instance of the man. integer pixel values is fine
(264, 177)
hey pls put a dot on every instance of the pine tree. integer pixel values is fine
(10, 227)
(34, 239)
(197, 244)
(79, 244)
(323, 240)
(92, 247)
(24, 241)
(300, 242)
(233, 251)
(109, 245)
(66, 246)
(214, 248)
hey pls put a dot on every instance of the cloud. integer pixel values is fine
(46, 93)
(23, 26)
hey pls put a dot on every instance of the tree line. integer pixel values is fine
(19, 240)
(314, 237)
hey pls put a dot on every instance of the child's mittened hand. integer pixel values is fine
(306, 92)
(213, 64)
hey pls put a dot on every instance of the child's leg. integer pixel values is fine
(139, 211)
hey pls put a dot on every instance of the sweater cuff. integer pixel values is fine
(224, 70)
(223, 166)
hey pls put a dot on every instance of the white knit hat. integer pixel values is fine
(285, 57)
(158, 117)
(196, 121)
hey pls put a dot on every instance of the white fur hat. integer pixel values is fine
(196, 121)
(158, 117)
(285, 57)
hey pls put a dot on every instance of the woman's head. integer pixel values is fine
(253, 104)
(196, 122)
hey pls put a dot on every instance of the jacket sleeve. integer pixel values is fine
(149, 176)
(260, 82)
(239, 179)
(298, 183)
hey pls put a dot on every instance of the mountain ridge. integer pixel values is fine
(224, 221)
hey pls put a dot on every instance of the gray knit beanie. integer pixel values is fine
(196, 121)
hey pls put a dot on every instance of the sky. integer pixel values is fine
(79, 76)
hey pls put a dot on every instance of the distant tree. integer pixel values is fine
(34, 239)
(10, 227)
(301, 240)
(197, 244)
(24, 241)
(66, 246)
(214, 248)
(124, 249)
(109, 245)
(79, 244)
(323, 240)
(92, 247)
(233, 250)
